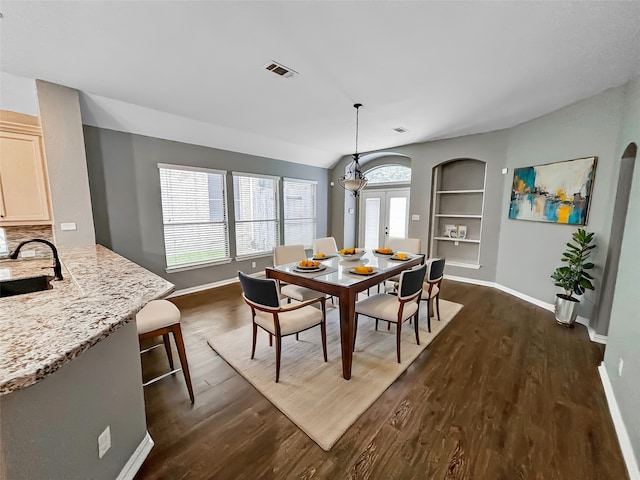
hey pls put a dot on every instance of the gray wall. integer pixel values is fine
(125, 192)
(50, 430)
(489, 147)
(624, 331)
(66, 163)
(530, 251)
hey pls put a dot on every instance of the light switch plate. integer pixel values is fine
(351, 211)
(104, 442)
(415, 217)
(68, 226)
(505, 171)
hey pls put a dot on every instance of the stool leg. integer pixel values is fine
(177, 335)
(167, 347)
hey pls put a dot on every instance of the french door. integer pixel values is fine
(383, 214)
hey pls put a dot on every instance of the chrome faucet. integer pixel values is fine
(57, 266)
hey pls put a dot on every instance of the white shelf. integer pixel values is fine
(449, 192)
(464, 240)
(456, 215)
(475, 266)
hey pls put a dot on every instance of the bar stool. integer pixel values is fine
(161, 317)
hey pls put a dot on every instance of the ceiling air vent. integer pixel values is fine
(400, 130)
(280, 69)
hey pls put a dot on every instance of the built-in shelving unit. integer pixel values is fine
(458, 199)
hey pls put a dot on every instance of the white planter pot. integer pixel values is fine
(566, 310)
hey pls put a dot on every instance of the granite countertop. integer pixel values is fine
(41, 331)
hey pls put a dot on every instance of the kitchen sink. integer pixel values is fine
(19, 286)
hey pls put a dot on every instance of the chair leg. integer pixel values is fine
(398, 339)
(323, 332)
(255, 334)
(270, 340)
(416, 325)
(278, 346)
(297, 338)
(167, 347)
(376, 324)
(438, 305)
(355, 330)
(177, 336)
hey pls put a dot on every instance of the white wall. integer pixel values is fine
(18, 94)
(624, 331)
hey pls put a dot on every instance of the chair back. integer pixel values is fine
(288, 254)
(409, 245)
(260, 291)
(324, 245)
(411, 282)
(435, 269)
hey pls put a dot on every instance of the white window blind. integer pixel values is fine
(299, 212)
(256, 214)
(194, 215)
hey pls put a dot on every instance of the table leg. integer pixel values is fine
(347, 309)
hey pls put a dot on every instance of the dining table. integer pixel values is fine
(336, 276)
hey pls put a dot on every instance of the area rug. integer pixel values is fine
(313, 393)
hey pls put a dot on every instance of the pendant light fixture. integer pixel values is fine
(354, 181)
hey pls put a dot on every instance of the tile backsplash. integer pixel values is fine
(15, 235)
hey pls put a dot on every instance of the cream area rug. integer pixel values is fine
(313, 393)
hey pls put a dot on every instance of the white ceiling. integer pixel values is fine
(193, 71)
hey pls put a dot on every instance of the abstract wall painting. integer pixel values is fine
(556, 192)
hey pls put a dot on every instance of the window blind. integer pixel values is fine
(299, 212)
(194, 215)
(256, 214)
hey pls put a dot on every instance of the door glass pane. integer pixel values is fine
(371, 223)
(397, 217)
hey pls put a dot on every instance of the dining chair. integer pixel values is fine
(395, 308)
(432, 286)
(324, 245)
(288, 254)
(407, 245)
(277, 320)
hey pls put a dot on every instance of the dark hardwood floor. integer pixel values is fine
(502, 393)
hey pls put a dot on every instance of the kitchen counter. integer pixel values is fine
(41, 331)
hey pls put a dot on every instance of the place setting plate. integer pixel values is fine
(377, 252)
(365, 274)
(395, 257)
(319, 268)
(324, 257)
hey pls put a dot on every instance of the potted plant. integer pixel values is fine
(573, 277)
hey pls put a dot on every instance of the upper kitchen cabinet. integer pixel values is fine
(24, 191)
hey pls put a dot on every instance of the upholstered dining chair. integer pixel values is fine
(395, 308)
(277, 320)
(324, 245)
(432, 286)
(407, 245)
(288, 254)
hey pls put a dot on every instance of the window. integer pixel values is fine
(256, 214)
(299, 212)
(194, 215)
(389, 174)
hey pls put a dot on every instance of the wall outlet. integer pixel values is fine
(104, 442)
(68, 226)
(27, 253)
(620, 365)
(415, 217)
(253, 264)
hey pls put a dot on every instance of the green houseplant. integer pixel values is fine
(573, 277)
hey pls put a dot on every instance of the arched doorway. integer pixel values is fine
(621, 205)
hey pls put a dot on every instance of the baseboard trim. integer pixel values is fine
(621, 430)
(209, 286)
(137, 459)
(595, 337)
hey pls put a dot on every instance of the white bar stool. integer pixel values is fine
(161, 317)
